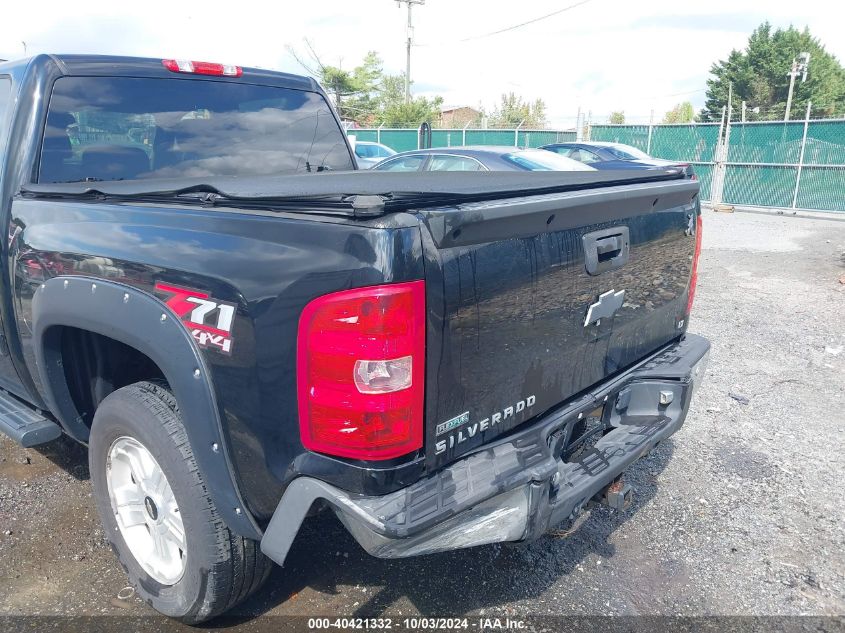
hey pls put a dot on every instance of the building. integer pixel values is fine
(459, 117)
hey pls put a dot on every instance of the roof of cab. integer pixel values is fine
(112, 65)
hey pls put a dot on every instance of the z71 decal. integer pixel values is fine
(209, 320)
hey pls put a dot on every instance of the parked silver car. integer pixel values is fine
(482, 158)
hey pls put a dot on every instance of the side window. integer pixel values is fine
(404, 163)
(564, 151)
(382, 152)
(363, 151)
(453, 163)
(5, 105)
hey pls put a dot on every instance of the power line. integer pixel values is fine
(515, 26)
(688, 92)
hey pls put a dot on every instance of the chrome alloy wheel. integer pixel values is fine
(146, 511)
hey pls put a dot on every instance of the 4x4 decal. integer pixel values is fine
(209, 320)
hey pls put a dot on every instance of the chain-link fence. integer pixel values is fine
(789, 165)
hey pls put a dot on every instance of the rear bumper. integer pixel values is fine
(518, 487)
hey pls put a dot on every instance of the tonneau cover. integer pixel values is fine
(377, 192)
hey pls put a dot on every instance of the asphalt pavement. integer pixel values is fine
(740, 513)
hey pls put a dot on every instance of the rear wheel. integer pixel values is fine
(157, 513)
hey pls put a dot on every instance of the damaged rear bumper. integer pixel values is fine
(518, 487)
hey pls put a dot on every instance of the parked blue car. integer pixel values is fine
(603, 155)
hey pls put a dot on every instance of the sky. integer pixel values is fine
(599, 55)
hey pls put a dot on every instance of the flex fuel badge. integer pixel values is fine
(454, 423)
(209, 320)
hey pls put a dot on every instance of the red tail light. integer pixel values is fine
(688, 170)
(360, 371)
(201, 68)
(694, 276)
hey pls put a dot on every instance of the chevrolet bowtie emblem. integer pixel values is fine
(605, 307)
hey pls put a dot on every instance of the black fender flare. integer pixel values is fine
(138, 319)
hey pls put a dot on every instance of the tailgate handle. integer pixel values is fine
(606, 249)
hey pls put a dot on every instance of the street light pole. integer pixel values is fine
(799, 67)
(410, 4)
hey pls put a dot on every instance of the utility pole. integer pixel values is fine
(799, 67)
(579, 130)
(730, 99)
(410, 4)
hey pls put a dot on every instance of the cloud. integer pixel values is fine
(603, 55)
(737, 22)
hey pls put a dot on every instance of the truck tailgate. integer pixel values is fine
(510, 285)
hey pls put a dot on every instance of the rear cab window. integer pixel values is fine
(123, 128)
(626, 152)
(447, 162)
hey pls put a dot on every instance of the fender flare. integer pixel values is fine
(139, 320)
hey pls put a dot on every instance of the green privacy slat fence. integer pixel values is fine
(365, 135)
(825, 143)
(705, 176)
(404, 140)
(634, 135)
(765, 143)
(400, 140)
(694, 143)
(759, 165)
(759, 186)
(446, 138)
(536, 138)
(490, 137)
(822, 188)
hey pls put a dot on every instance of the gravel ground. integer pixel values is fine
(740, 513)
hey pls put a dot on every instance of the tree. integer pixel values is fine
(367, 96)
(339, 84)
(513, 112)
(364, 104)
(759, 75)
(681, 113)
(617, 117)
(411, 114)
(392, 111)
(354, 92)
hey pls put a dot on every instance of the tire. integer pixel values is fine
(218, 568)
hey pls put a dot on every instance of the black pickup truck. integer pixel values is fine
(244, 330)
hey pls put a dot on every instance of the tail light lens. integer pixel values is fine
(688, 170)
(360, 369)
(694, 276)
